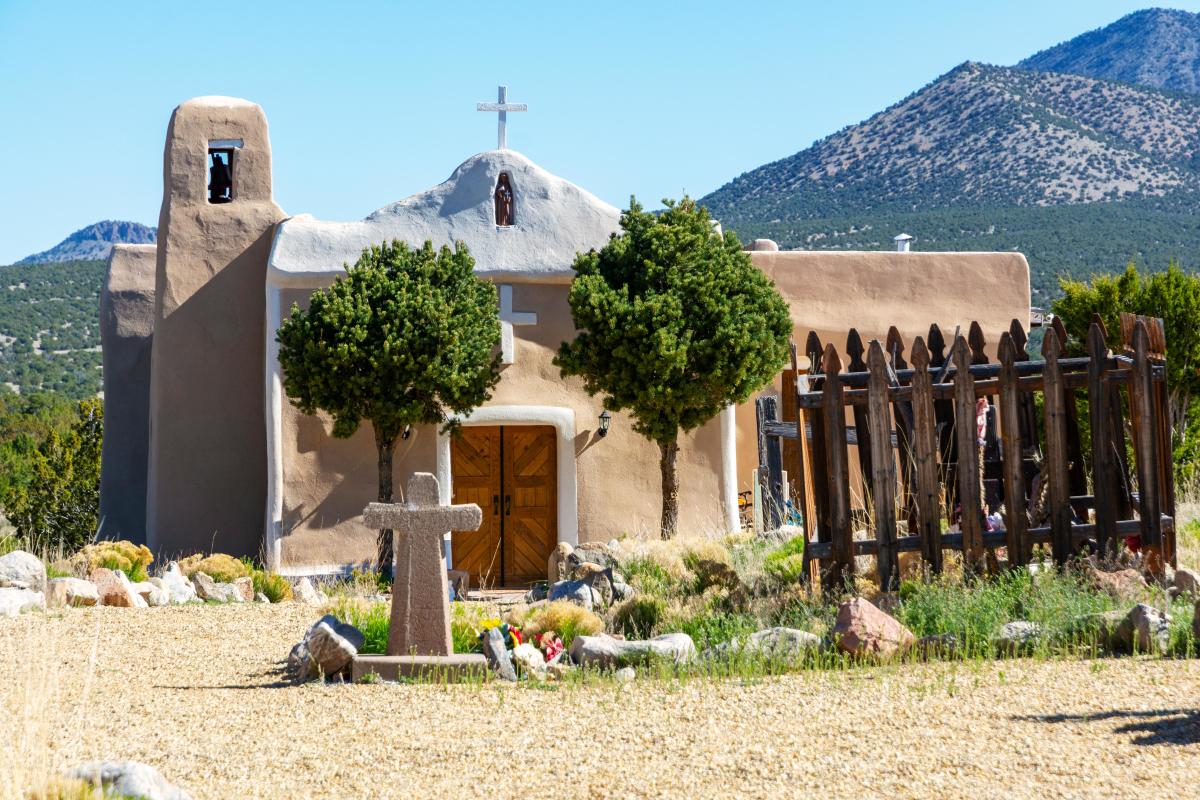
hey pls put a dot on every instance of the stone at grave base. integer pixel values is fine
(460, 666)
(261, 598)
(785, 644)
(1125, 584)
(1099, 629)
(530, 659)
(329, 651)
(864, 630)
(71, 592)
(497, 655)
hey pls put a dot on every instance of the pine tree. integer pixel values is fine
(406, 337)
(675, 323)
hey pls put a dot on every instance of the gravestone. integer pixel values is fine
(419, 641)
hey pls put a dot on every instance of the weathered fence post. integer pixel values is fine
(944, 417)
(819, 461)
(1056, 450)
(1016, 520)
(1103, 484)
(1075, 467)
(902, 412)
(1146, 448)
(883, 467)
(971, 513)
(862, 429)
(770, 464)
(838, 475)
(927, 492)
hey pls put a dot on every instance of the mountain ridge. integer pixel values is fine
(94, 242)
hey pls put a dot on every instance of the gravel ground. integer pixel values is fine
(194, 692)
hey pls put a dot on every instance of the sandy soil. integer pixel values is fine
(194, 692)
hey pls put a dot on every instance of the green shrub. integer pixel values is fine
(786, 565)
(370, 618)
(220, 567)
(274, 586)
(709, 628)
(563, 617)
(640, 616)
(132, 559)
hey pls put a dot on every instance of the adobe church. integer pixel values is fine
(204, 452)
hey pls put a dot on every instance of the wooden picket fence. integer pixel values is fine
(917, 468)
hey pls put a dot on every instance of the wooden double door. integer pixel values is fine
(510, 472)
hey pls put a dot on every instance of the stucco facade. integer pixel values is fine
(233, 466)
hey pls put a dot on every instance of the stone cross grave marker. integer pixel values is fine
(420, 622)
(502, 108)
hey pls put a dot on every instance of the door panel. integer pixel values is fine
(530, 501)
(475, 464)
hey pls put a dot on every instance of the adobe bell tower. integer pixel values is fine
(206, 482)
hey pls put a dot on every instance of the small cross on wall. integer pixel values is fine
(501, 107)
(509, 318)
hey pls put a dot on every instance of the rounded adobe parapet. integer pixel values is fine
(213, 120)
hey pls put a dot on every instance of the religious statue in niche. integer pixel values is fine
(504, 201)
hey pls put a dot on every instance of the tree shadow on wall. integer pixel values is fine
(1173, 726)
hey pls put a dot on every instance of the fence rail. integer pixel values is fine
(953, 453)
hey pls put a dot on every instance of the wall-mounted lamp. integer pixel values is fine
(407, 432)
(605, 421)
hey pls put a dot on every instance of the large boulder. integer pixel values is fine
(21, 570)
(305, 592)
(776, 644)
(177, 585)
(128, 779)
(1125, 584)
(605, 651)
(71, 592)
(115, 589)
(497, 655)
(208, 589)
(1145, 629)
(326, 649)
(1017, 637)
(1187, 582)
(153, 593)
(13, 601)
(863, 630)
(577, 592)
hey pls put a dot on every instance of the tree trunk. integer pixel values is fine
(385, 445)
(670, 488)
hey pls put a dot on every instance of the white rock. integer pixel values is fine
(208, 589)
(129, 779)
(625, 675)
(154, 595)
(577, 592)
(605, 651)
(177, 585)
(21, 570)
(261, 598)
(71, 592)
(777, 643)
(327, 647)
(530, 659)
(305, 592)
(13, 601)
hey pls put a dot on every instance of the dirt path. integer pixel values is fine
(193, 692)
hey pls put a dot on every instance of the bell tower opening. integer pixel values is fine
(222, 170)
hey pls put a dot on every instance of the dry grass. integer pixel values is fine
(194, 692)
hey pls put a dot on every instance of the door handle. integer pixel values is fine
(507, 505)
(495, 505)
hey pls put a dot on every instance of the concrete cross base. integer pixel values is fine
(448, 669)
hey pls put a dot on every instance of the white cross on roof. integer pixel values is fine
(502, 107)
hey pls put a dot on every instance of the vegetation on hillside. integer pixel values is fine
(49, 328)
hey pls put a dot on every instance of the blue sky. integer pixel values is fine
(370, 102)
